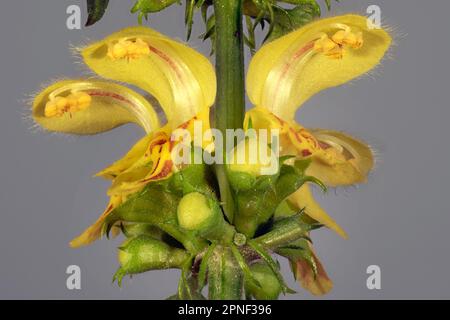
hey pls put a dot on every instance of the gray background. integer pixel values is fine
(398, 221)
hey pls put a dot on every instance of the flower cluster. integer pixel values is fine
(173, 214)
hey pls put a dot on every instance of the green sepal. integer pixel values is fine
(204, 266)
(257, 205)
(285, 231)
(248, 275)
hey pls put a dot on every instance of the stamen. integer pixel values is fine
(74, 102)
(126, 48)
(334, 47)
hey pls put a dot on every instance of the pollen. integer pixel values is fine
(334, 47)
(74, 102)
(128, 49)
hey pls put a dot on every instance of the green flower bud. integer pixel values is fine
(246, 163)
(144, 253)
(197, 212)
(270, 287)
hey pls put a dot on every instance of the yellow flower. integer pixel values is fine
(282, 76)
(182, 81)
(286, 72)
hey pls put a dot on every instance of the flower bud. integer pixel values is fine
(270, 287)
(197, 212)
(247, 161)
(144, 253)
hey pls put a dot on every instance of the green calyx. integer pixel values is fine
(257, 203)
(144, 253)
(269, 287)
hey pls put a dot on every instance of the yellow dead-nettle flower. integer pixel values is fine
(282, 75)
(286, 72)
(182, 80)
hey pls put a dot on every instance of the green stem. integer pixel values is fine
(225, 277)
(230, 103)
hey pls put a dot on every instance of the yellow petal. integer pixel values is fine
(285, 73)
(337, 159)
(343, 160)
(91, 106)
(93, 232)
(319, 284)
(180, 78)
(303, 198)
(127, 161)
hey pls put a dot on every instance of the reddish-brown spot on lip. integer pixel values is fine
(157, 142)
(306, 153)
(165, 170)
(306, 135)
(324, 145)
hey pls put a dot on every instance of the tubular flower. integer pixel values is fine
(182, 81)
(286, 72)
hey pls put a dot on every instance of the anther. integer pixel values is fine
(74, 102)
(128, 49)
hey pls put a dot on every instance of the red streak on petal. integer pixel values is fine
(301, 52)
(167, 59)
(109, 208)
(296, 135)
(113, 95)
(172, 64)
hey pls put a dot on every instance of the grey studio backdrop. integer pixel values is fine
(399, 221)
